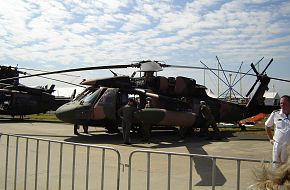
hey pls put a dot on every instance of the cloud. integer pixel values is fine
(134, 22)
(83, 32)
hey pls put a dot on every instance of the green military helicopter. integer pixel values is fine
(176, 100)
(17, 99)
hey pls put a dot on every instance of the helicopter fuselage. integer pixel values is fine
(99, 107)
(13, 102)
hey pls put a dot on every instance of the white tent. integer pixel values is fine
(271, 98)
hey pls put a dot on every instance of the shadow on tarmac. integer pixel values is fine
(166, 139)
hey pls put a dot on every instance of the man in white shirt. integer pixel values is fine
(281, 139)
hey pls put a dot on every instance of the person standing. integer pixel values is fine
(209, 120)
(281, 138)
(146, 125)
(126, 114)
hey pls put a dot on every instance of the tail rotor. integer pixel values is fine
(259, 75)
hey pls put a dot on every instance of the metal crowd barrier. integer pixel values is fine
(36, 163)
(24, 162)
(190, 176)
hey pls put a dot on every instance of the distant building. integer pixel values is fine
(271, 98)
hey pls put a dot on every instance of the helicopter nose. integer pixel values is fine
(66, 113)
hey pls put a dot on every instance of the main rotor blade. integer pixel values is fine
(202, 68)
(72, 70)
(284, 80)
(23, 68)
(58, 80)
(213, 69)
(73, 84)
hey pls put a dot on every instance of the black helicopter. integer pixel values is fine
(17, 99)
(176, 99)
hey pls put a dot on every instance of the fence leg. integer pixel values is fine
(7, 163)
(213, 173)
(238, 174)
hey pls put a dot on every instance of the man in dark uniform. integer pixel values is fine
(146, 127)
(127, 115)
(209, 120)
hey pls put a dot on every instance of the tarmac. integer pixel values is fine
(232, 145)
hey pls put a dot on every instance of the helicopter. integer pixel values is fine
(17, 99)
(176, 100)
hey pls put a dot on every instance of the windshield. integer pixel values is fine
(84, 93)
(91, 96)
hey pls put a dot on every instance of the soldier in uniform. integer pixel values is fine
(281, 139)
(209, 120)
(148, 102)
(126, 114)
(147, 126)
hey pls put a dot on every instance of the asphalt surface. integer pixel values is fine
(246, 146)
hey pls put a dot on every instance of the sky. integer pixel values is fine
(54, 35)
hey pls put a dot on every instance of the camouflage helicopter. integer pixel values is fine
(17, 99)
(176, 100)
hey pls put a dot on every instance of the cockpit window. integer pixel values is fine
(83, 94)
(91, 96)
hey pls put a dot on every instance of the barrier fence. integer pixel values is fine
(191, 158)
(36, 163)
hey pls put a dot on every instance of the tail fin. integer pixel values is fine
(257, 100)
(51, 89)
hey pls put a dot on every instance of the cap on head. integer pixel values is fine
(202, 103)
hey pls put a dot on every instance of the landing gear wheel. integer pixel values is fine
(113, 129)
(242, 127)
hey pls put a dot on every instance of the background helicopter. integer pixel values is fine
(17, 99)
(176, 100)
